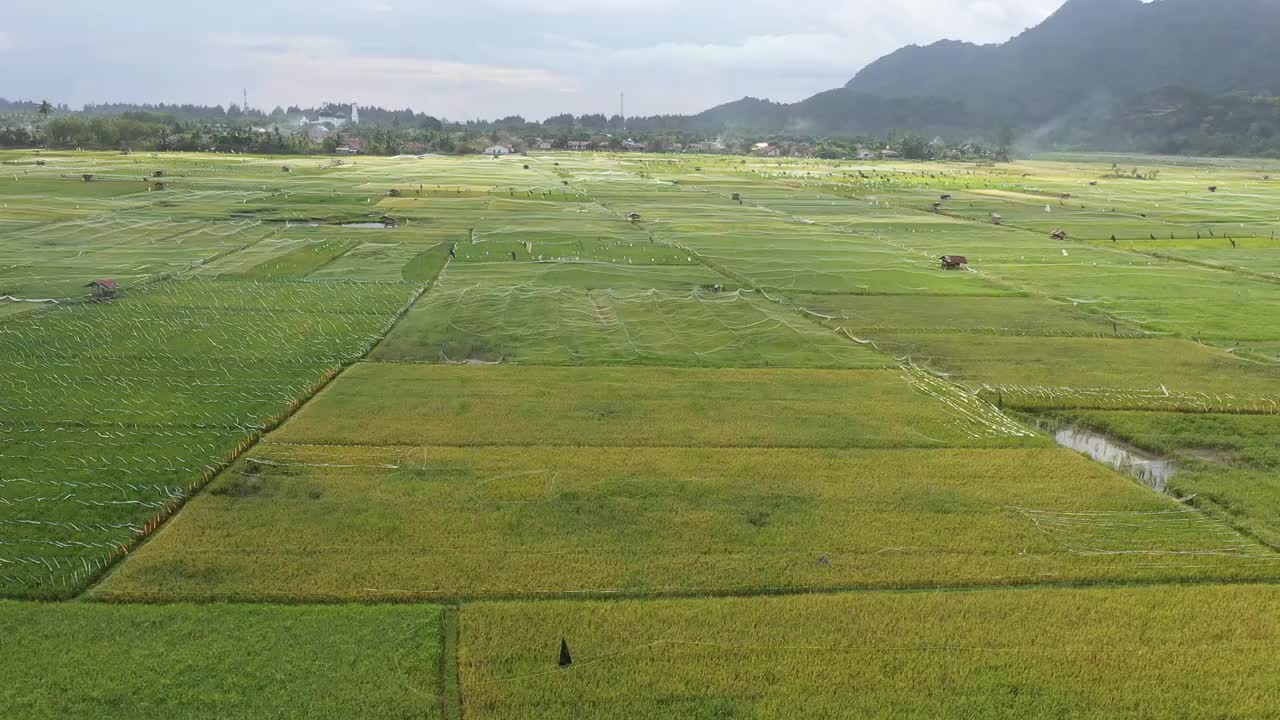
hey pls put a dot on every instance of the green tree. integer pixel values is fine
(45, 109)
(1004, 143)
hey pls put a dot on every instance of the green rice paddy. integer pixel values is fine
(752, 456)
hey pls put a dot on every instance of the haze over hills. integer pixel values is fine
(1088, 55)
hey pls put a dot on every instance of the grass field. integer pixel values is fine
(754, 456)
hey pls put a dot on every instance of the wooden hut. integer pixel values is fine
(104, 290)
(954, 262)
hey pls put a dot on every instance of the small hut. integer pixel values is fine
(1213, 188)
(41, 163)
(996, 219)
(633, 217)
(945, 197)
(88, 177)
(1058, 235)
(389, 222)
(104, 290)
(286, 168)
(157, 186)
(954, 262)
(737, 197)
(157, 174)
(393, 192)
(937, 207)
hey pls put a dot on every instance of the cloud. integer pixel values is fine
(481, 58)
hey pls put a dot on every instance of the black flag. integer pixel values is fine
(565, 658)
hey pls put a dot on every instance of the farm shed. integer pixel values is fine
(954, 262)
(104, 289)
(497, 150)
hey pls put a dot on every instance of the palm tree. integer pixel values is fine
(45, 109)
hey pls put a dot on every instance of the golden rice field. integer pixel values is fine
(334, 451)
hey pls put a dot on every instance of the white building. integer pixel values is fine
(497, 150)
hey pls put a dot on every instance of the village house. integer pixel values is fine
(954, 262)
(887, 154)
(353, 146)
(580, 145)
(497, 150)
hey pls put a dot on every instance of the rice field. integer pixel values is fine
(209, 663)
(1121, 652)
(724, 425)
(327, 523)
(114, 414)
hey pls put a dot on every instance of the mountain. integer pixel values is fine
(1092, 49)
(839, 111)
(1084, 58)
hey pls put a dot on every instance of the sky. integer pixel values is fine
(473, 59)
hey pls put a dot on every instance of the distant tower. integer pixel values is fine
(622, 110)
(245, 95)
(355, 113)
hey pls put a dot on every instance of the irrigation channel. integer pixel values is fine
(1153, 471)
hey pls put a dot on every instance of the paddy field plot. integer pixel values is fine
(688, 277)
(413, 404)
(303, 522)
(114, 414)
(1031, 316)
(564, 326)
(225, 661)
(57, 261)
(1101, 373)
(1118, 652)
